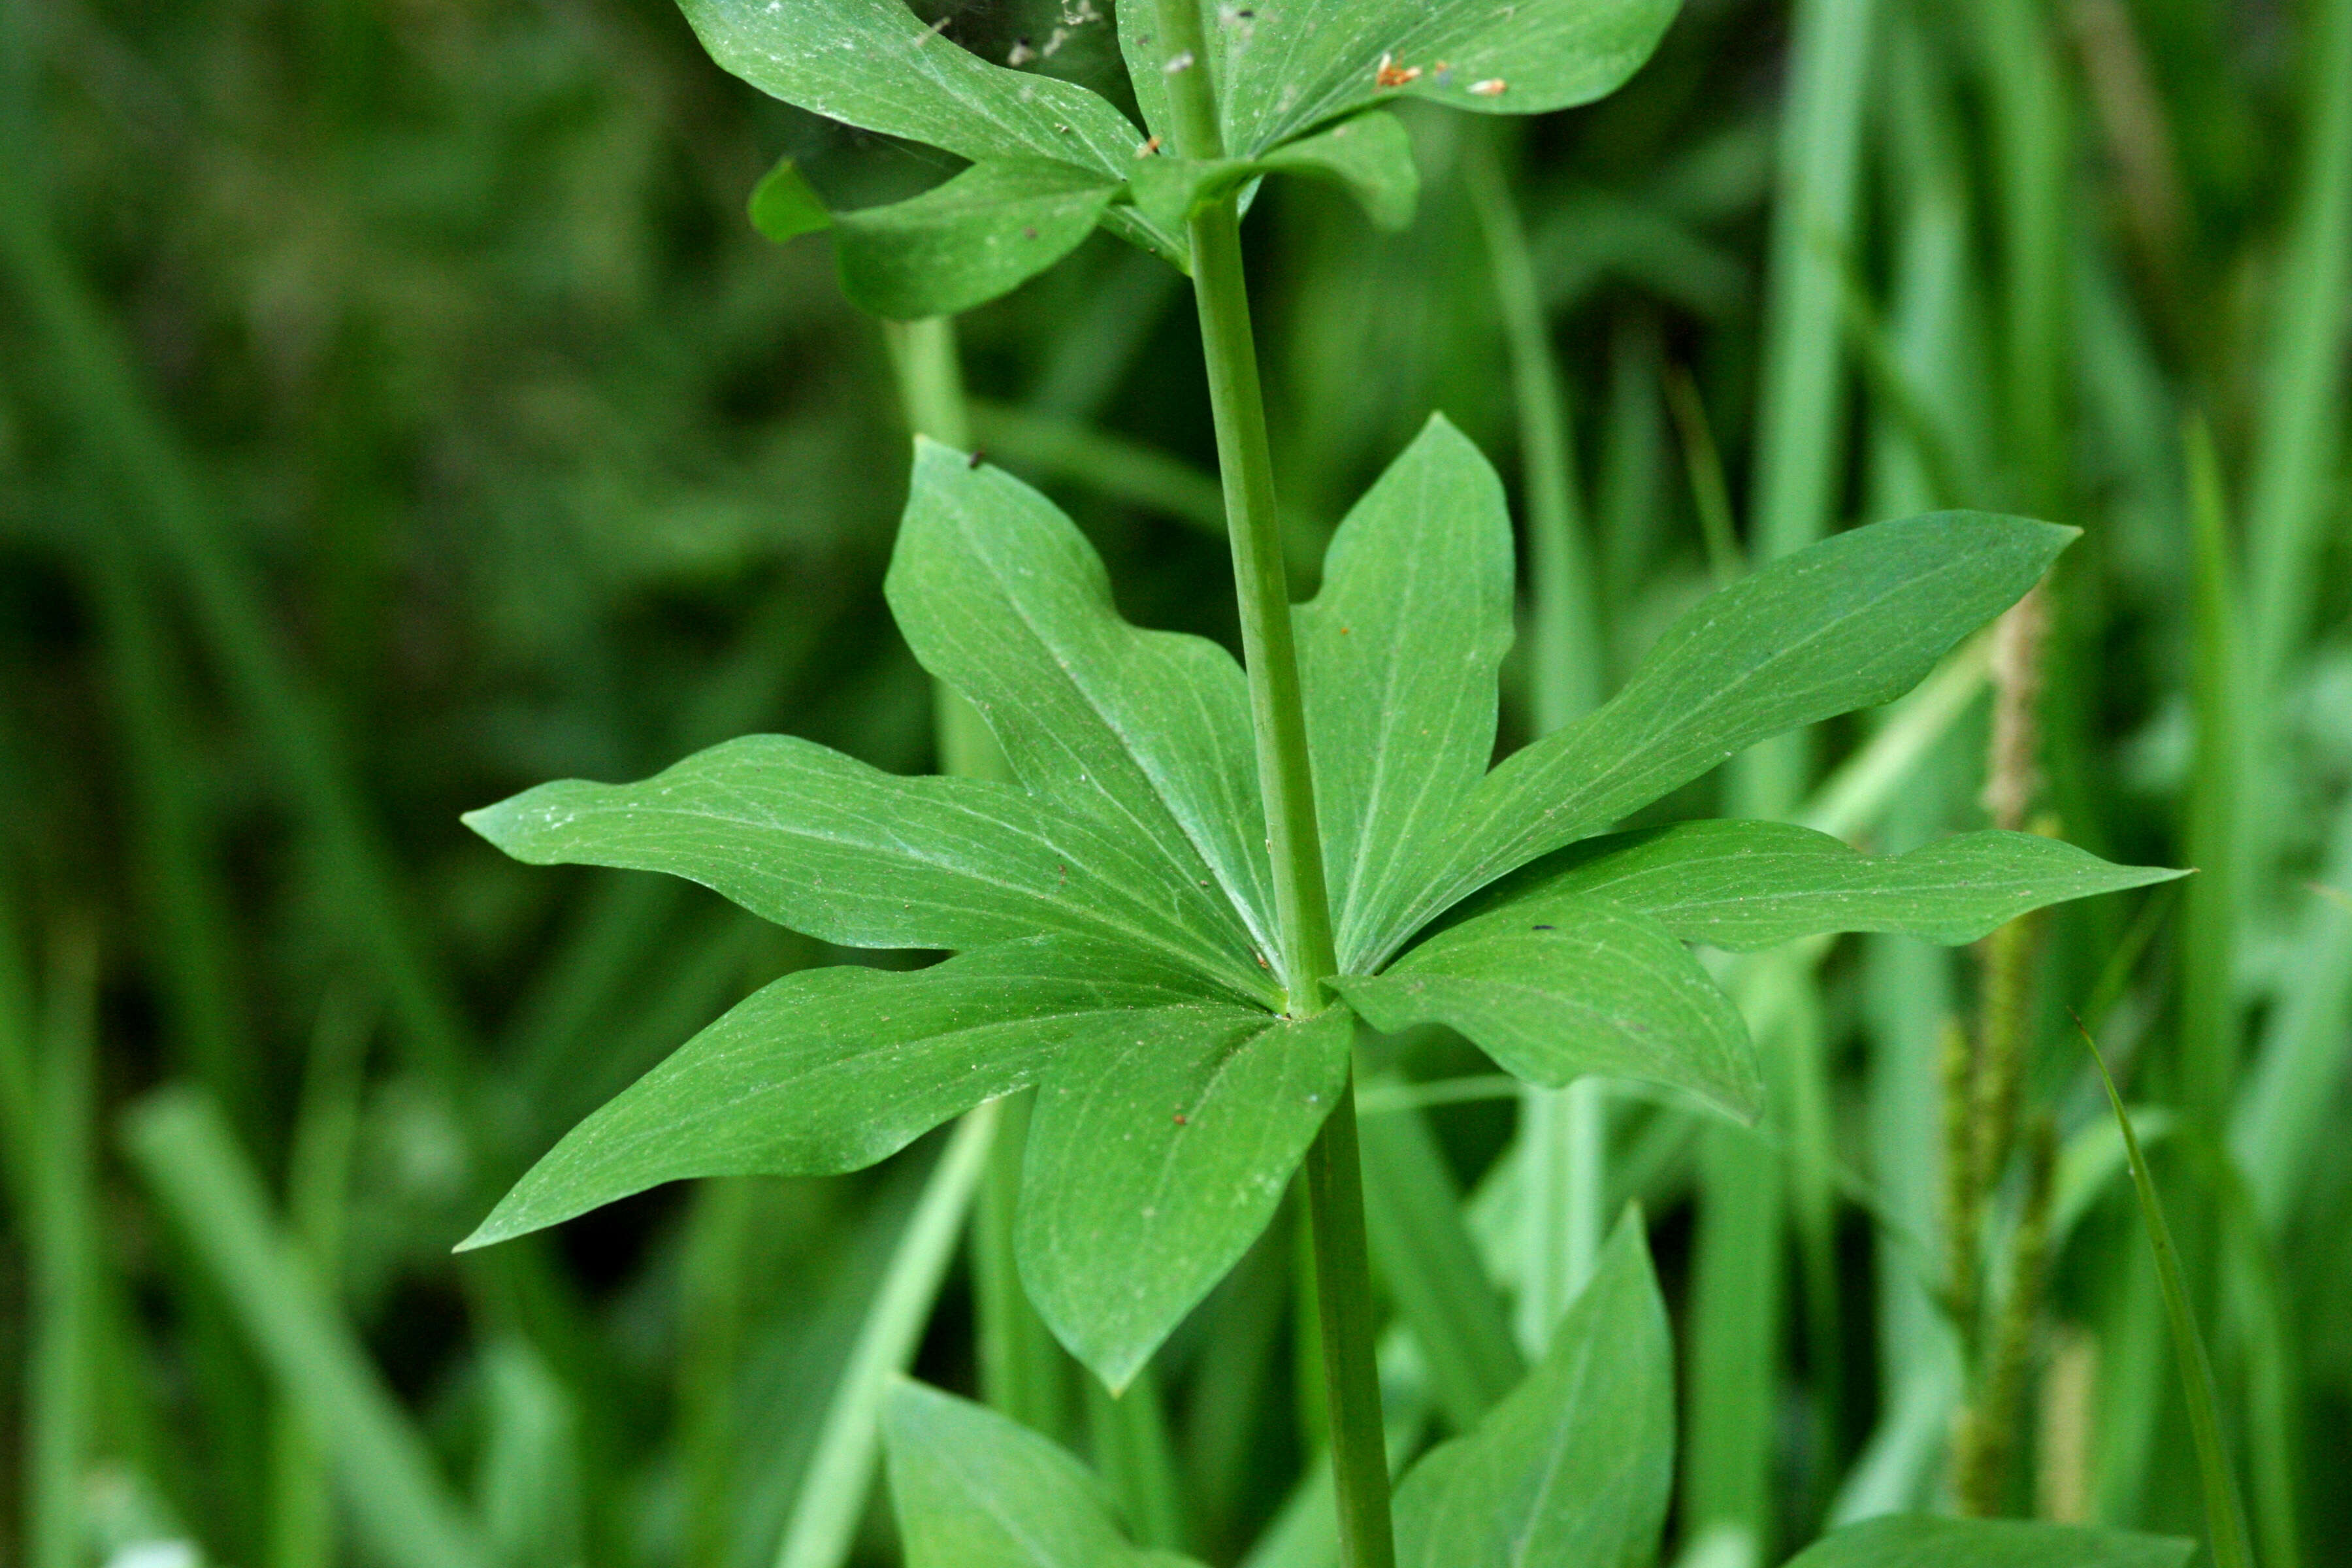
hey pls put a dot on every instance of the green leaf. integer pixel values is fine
(1594, 989)
(1398, 656)
(1148, 732)
(814, 840)
(1283, 69)
(1852, 622)
(1369, 157)
(783, 205)
(976, 1489)
(830, 1069)
(1748, 885)
(1574, 1469)
(963, 243)
(1910, 1540)
(1156, 1159)
(873, 65)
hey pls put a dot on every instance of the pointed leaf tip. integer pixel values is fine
(783, 205)
(1576, 1464)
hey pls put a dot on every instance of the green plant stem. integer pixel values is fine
(1563, 1135)
(1567, 673)
(1710, 492)
(1345, 1315)
(303, 1519)
(1335, 1196)
(2302, 400)
(930, 374)
(1020, 1365)
(1130, 1437)
(1022, 1369)
(1739, 1300)
(833, 1493)
(2209, 1010)
(60, 1382)
(711, 1313)
(1261, 580)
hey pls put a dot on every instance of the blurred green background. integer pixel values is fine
(396, 410)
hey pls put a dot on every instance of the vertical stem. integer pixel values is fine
(303, 1519)
(930, 378)
(2302, 396)
(833, 1492)
(1563, 1133)
(1335, 1195)
(1129, 1434)
(2210, 1014)
(711, 1311)
(1737, 1322)
(1567, 673)
(1344, 1315)
(58, 1444)
(1021, 1373)
(1020, 1366)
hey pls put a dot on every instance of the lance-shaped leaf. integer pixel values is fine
(975, 1489)
(874, 65)
(830, 1069)
(1910, 1540)
(1593, 989)
(1574, 1467)
(1852, 622)
(824, 844)
(1399, 655)
(1283, 69)
(1369, 157)
(1748, 885)
(1155, 1159)
(1001, 597)
(963, 243)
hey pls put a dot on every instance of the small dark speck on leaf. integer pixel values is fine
(977, 458)
(1027, 231)
(1179, 1118)
(1547, 928)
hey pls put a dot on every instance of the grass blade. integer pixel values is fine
(1736, 1311)
(2282, 1108)
(404, 1508)
(1131, 1452)
(89, 370)
(1563, 1138)
(1430, 1268)
(302, 1520)
(2297, 444)
(832, 1494)
(2224, 1519)
(59, 1446)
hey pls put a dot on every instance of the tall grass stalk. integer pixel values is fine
(1564, 1133)
(833, 1493)
(1738, 1310)
(61, 1395)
